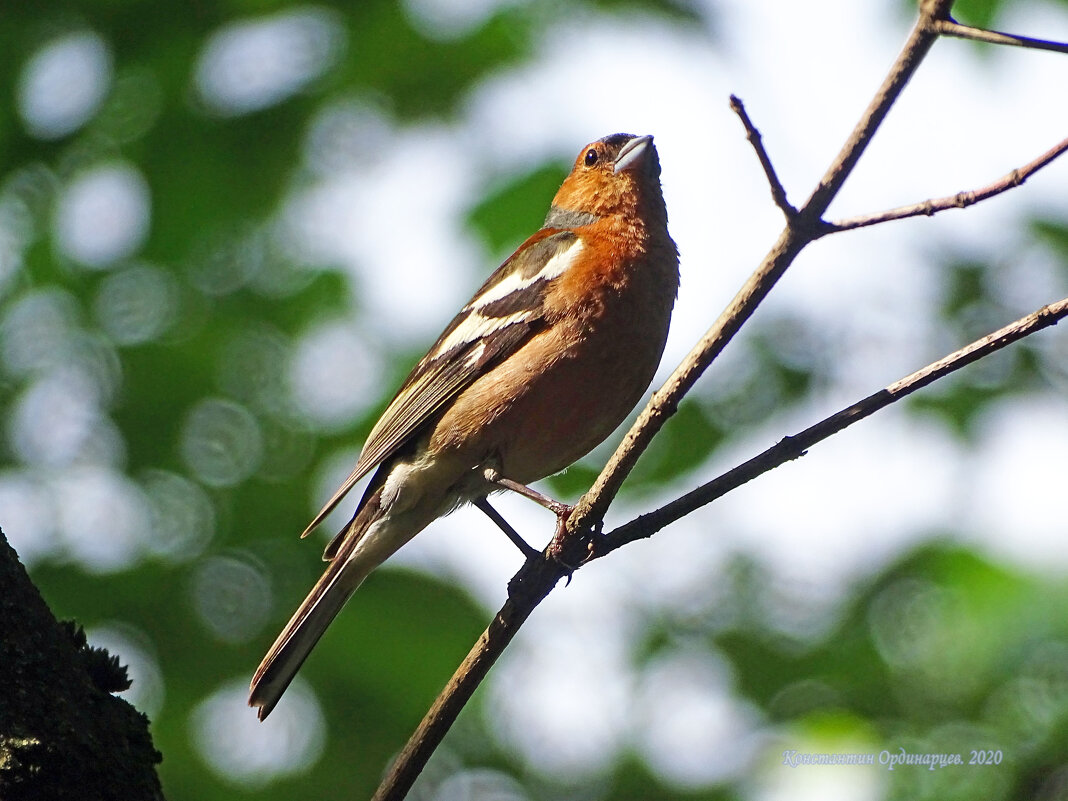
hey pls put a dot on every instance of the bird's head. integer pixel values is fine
(619, 174)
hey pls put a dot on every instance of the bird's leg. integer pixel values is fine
(525, 548)
(561, 510)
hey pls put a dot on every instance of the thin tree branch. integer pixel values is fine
(799, 231)
(793, 447)
(948, 27)
(920, 40)
(778, 193)
(537, 577)
(961, 200)
(573, 543)
(527, 589)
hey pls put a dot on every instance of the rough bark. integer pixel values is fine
(63, 734)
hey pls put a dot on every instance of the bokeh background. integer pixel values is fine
(229, 227)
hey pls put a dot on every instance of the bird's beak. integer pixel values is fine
(633, 154)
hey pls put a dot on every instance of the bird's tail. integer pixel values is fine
(349, 566)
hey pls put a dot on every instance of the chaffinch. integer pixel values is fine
(540, 366)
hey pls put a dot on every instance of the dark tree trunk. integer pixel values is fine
(63, 735)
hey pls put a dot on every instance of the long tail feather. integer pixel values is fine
(346, 571)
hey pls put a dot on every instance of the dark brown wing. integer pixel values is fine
(505, 312)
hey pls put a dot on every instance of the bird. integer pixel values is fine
(548, 357)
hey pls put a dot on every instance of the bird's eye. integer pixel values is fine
(591, 157)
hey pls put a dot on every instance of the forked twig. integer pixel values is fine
(576, 544)
(793, 447)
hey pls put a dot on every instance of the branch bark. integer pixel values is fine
(577, 542)
(778, 192)
(795, 446)
(948, 27)
(961, 200)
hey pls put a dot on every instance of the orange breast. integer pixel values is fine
(570, 386)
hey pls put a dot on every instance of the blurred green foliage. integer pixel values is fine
(943, 637)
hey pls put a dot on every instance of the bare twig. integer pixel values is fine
(960, 200)
(538, 576)
(792, 447)
(527, 589)
(800, 231)
(778, 193)
(574, 543)
(947, 27)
